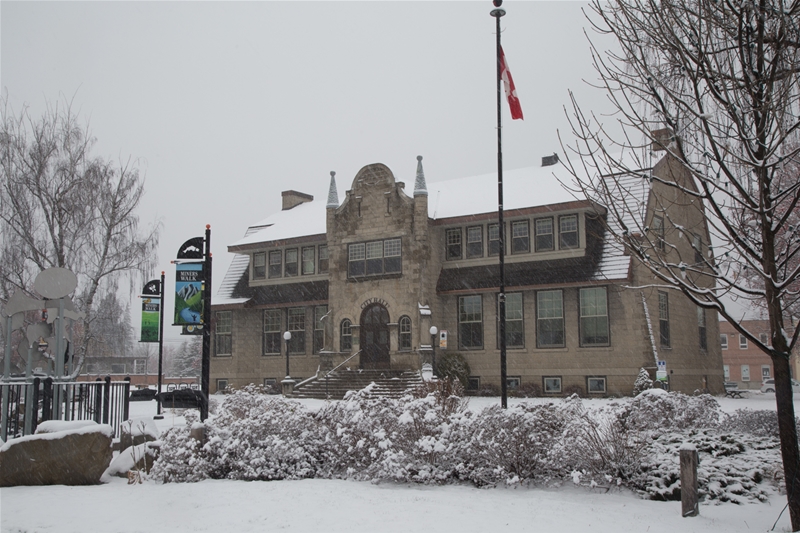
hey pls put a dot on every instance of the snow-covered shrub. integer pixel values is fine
(522, 443)
(527, 390)
(453, 365)
(657, 409)
(573, 390)
(181, 458)
(760, 423)
(642, 383)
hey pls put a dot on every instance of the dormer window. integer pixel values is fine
(290, 269)
(259, 265)
(275, 264)
(520, 237)
(568, 231)
(544, 234)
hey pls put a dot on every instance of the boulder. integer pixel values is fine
(138, 458)
(77, 455)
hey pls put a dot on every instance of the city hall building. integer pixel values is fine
(361, 281)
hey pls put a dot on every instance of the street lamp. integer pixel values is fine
(434, 331)
(287, 336)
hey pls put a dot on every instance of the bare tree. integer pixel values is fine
(714, 83)
(63, 207)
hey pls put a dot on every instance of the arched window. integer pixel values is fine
(346, 336)
(405, 333)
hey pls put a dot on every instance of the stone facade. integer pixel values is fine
(362, 283)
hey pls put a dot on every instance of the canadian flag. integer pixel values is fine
(511, 91)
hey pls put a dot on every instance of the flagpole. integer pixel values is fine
(501, 297)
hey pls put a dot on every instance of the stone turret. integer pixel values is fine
(333, 194)
(420, 204)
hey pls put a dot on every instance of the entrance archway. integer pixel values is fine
(375, 337)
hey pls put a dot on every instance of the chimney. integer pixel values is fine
(293, 198)
(550, 160)
(661, 139)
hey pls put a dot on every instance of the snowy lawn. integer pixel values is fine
(338, 505)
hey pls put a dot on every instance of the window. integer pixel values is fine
(763, 337)
(520, 237)
(405, 333)
(291, 263)
(697, 244)
(118, 368)
(91, 368)
(319, 328)
(745, 372)
(515, 325)
(271, 386)
(594, 317)
(308, 260)
(596, 385)
(474, 242)
(223, 333)
(275, 264)
(726, 371)
(271, 339)
(470, 322)
(549, 319)
(723, 340)
(345, 336)
(453, 244)
(493, 237)
(259, 265)
(375, 258)
(552, 384)
(742, 342)
(658, 232)
(297, 326)
(513, 383)
(323, 259)
(568, 231)
(222, 384)
(701, 328)
(544, 234)
(139, 366)
(765, 372)
(474, 383)
(663, 318)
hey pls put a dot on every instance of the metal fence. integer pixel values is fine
(26, 404)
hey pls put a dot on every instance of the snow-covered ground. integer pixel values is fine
(326, 505)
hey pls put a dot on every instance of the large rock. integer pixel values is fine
(69, 453)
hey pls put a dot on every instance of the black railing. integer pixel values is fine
(26, 404)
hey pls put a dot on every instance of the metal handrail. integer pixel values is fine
(342, 363)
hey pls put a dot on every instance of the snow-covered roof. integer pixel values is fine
(304, 219)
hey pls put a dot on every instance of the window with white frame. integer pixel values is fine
(374, 258)
(544, 234)
(513, 382)
(658, 232)
(404, 332)
(520, 237)
(323, 259)
(453, 244)
(594, 316)
(549, 319)
(118, 368)
(290, 269)
(723, 340)
(493, 238)
(766, 372)
(763, 338)
(222, 384)
(271, 339)
(474, 242)
(140, 366)
(309, 260)
(470, 322)
(259, 265)
(568, 231)
(552, 384)
(515, 321)
(296, 324)
(222, 333)
(726, 372)
(596, 385)
(745, 372)
(742, 342)
(275, 264)
(319, 328)
(345, 336)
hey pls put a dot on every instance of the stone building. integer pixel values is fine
(366, 278)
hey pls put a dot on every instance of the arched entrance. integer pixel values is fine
(375, 337)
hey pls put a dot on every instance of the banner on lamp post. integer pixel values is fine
(189, 287)
(151, 310)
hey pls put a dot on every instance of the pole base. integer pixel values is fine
(158, 417)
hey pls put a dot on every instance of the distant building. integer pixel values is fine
(745, 363)
(370, 276)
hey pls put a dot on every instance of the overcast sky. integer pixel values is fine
(226, 104)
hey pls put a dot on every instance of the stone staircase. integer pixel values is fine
(391, 383)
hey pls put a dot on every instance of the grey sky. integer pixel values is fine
(226, 104)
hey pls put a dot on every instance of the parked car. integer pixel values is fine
(769, 386)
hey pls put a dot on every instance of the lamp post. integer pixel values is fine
(287, 336)
(434, 331)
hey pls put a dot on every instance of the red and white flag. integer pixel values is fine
(511, 91)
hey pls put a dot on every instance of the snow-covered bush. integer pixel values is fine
(642, 383)
(657, 409)
(453, 365)
(761, 423)
(181, 458)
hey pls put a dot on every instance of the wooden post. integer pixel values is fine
(689, 505)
